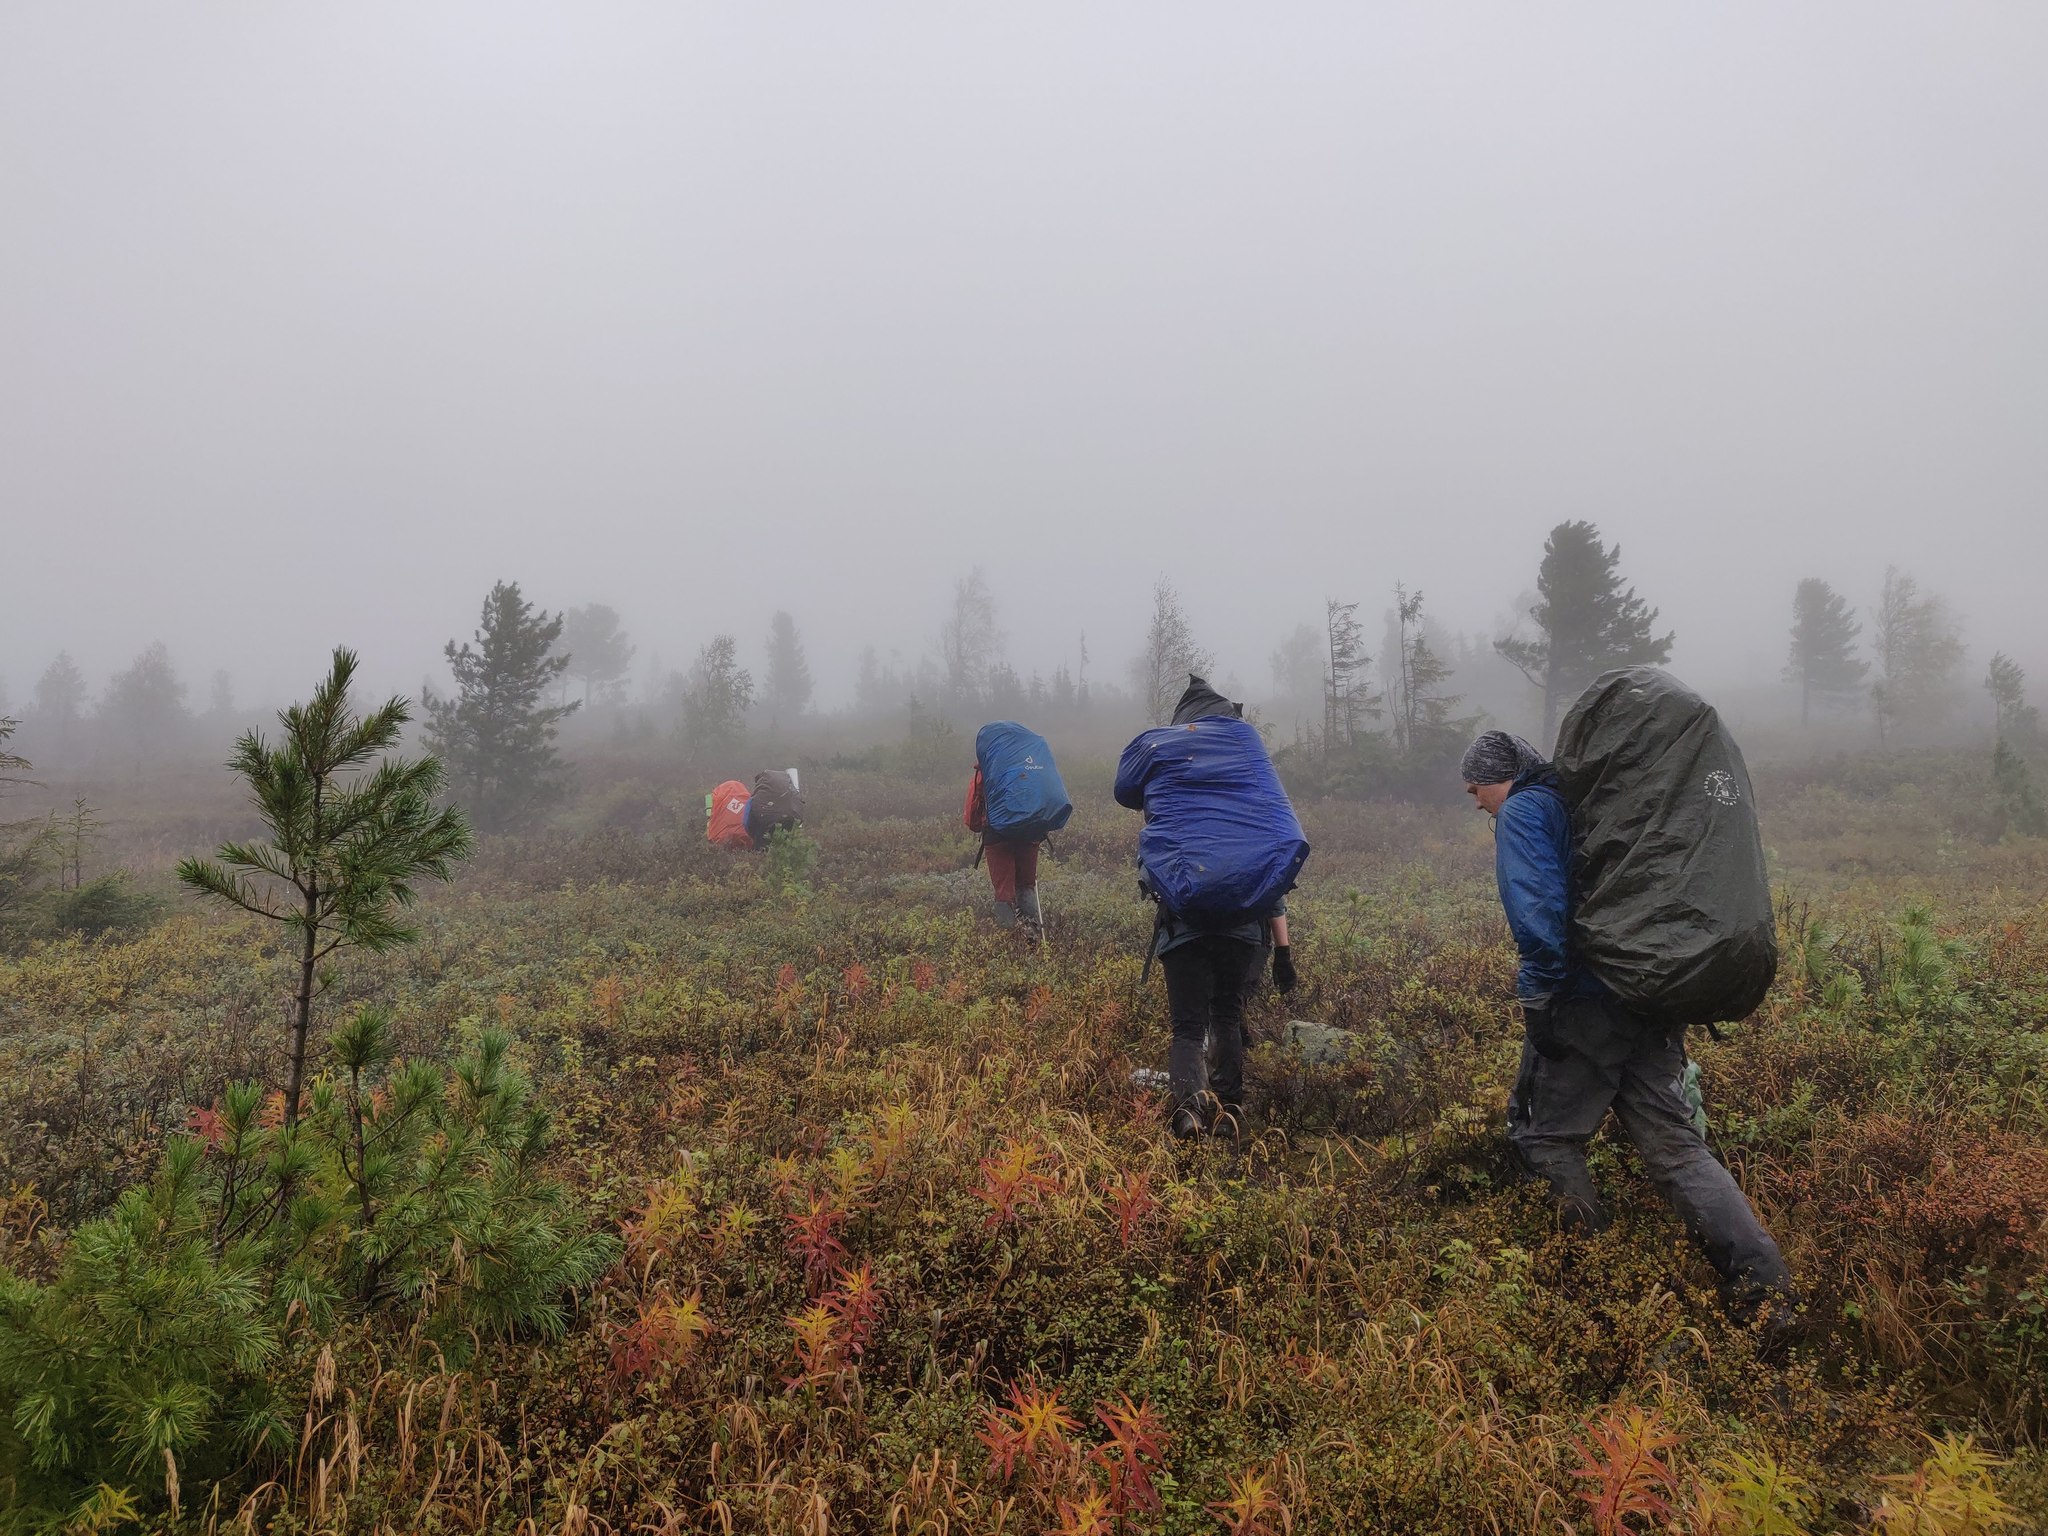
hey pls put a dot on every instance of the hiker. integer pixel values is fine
(1584, 1053)
(1016, 801)
(738, 817)
(1220, 849)
(777, 802)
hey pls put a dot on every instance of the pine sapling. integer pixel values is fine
(348, 842)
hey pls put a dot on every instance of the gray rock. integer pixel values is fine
(1322, 1045)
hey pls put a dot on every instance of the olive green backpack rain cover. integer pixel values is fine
(1673, 907)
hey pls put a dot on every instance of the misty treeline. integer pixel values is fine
(1370, 695)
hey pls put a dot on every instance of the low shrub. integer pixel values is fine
(151, 1353)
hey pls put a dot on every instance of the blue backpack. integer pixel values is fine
(1023, 798)
(1221, 841)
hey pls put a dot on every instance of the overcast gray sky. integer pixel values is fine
(314, 320)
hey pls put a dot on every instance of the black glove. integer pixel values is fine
(1539, 1023)
(1283, 968)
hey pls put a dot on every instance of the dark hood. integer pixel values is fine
(1201, 701)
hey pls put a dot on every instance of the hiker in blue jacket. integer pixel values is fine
(1583, 1054)
(1210, 969)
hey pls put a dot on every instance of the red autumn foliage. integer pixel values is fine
(814, 1235)
(1137, 1436)
(1133, 1202)
(208, 1125)
(1032, 1431)
(1618, 1459)
(1010, 1180)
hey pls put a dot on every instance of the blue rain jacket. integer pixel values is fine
(1532, 865)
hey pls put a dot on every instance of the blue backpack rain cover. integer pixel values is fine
(1020, 785)
(1221, 840)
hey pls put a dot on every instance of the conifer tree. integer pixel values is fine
(1347, 698)
(878, 689)
(1424, 709)
(1060, 694)
(495, 734)
(1297, 663)
(1823, 660)
(788, 692)
(220, 698)
(596, 650)
(348, 842)
(1918, 650)
(60, 704)
(2016, 719)
(144, 712)
(12, 765)
(1588, 621)
(26, 846)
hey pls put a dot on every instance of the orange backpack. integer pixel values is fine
(725, 816)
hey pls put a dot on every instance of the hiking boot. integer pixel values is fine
(1032, 915)
(1780, 1323)
(1186, 1124)
(1228, 1124)
(1773, 1314)
(1006, 915)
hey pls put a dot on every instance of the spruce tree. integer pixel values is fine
(144, 712)
(1297, 668)
(1823, 660)
(60, 705)
(1347, 698)
(1588, 620)
(1918, 649)
(2016, 719)
(596, 649)
(220, 698)
(1424, 709)
(495, 733)
(12, 765)
(348, 841)
(877, 689)
(27, 846)
(788, 692)
(2019, 806)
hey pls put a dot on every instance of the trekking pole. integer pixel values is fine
(1151, 945)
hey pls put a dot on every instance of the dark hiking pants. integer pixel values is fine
(1254, 980)
(1205, 990)
(1615, 1063)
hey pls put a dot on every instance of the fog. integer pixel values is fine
(314, 322)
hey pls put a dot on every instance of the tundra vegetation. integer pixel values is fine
(635, 1185)
(654, 1188)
